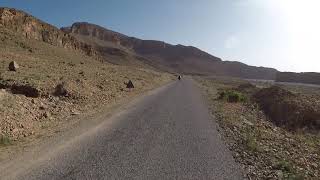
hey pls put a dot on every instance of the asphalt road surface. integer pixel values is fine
(167, 135)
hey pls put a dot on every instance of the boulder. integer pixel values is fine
(130, 84)
(61, 90)
(25, 89)
(13, 66)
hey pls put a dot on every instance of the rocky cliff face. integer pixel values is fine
(100, 33)
(139, 46)
(307, 78)
(33, 28)
(117, 48)
(175, 58)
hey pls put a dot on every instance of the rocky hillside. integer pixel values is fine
(120, 49)
(307, 78)
(48, 81)
(33, 28)
(261, 137)
(177, 58)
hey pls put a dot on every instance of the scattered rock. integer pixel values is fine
(46, 114)
(279, 174)
(25, 89)
(75, 113)
(100, 87)
(130, 84)
(13, 66)
(248, 122)
(21, 125)
(71, 64)
(314, 165)
(265, 150)
(2, 93)
(61, 90)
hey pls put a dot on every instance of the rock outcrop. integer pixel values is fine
(13, 66)
(33, 28)
(61, 90)
(130, 84)
(20, 88)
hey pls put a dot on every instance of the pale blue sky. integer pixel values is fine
(282, 34)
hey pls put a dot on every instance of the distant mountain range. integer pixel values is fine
(116, 48)
(307, 78)
(173, 58)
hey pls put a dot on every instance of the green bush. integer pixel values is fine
(4, 140)
(232, 96)
(284, 166)
(288, 170)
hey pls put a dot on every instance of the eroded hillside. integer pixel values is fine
(174, 58)
(33, 28)
(54, 81)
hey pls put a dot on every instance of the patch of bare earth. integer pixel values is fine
(53, 85)
(265, 150)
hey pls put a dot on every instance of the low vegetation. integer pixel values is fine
(232, 96)
(4, 140)
(265, 149)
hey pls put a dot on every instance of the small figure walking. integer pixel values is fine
(179, 77)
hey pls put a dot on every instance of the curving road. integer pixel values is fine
(166, 135)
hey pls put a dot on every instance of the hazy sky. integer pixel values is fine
(282, 34)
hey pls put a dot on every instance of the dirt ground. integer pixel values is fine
(265, 150)
(30, 108)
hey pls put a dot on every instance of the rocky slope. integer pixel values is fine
(265, 150)
(55, 80)
(177, 58)
(307, 78)
(289, 110)
(33, 28)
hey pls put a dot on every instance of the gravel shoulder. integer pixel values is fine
(265, 150)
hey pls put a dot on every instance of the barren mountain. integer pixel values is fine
(176, 58)
(33, 28)
(116, 48)
(308, 78)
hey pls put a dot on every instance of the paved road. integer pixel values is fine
(167, 135)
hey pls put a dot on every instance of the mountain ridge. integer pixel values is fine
(107, 45)
(33, 28)
(175, 58)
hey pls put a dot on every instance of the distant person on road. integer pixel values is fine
(179, 77)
